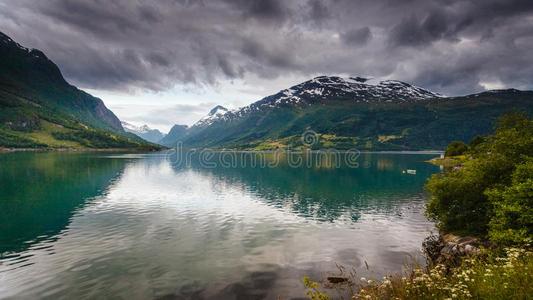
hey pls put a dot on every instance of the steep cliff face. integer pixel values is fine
(40, 109)
(28, 73)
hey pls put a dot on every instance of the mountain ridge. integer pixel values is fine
(144, 132)
(40, 109)
(322, 88)
(356, 112)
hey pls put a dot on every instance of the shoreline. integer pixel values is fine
(8, 150)
(326, 150)
(447, 162)
(131, 150)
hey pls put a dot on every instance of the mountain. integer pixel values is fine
(176, 133)
(356, 112)
(144, 132)
(179, 132)
(39, 108)
(214, 114)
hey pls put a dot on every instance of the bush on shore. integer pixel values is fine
(456, 148)
(491, 194)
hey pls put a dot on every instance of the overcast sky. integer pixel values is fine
(169, 61)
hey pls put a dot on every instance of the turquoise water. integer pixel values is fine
(135, 226)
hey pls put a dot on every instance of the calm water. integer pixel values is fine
(75, 226)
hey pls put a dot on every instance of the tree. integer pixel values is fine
(512, 221)
(476, 141)
(456, 148)
(490, 195)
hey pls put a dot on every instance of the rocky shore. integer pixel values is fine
(448, 249)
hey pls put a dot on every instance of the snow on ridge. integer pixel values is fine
(7, 40)
(217, 113)
(138, 129)
(360, 89)
(34, 52)
(218, 110)
(129, 126)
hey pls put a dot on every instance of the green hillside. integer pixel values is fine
(413, 125)
(39, 109)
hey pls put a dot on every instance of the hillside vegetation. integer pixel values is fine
(39, 109)
(352, 113)
(488, 195)
(491, 194)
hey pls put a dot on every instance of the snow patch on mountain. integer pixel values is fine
(135, 129)
(327, 88)
(145, 132)
(217, 113)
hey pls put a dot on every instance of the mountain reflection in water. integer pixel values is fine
(138, 226)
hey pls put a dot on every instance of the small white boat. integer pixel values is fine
(408, 171)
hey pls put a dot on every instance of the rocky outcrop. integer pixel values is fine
(448, 249)
(102, 113)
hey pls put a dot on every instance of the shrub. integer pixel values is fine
(476, 141)
(456, 148)
(498, 170)
(512, 222)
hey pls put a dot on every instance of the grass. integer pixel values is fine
(44, 135)
(386, 138)
(489, 275)
(295, 142)
(50, 135)
(24, 123)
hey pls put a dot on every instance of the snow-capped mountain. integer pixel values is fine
(324, 89)
(134, 129)
(145, 132)
(358, 112)
(217, 113)
(180, 132)
(355, 89)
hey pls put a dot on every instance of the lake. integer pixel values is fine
(151, 226)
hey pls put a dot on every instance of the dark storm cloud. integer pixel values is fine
(149, 14)
(358, 36)
(318, 11)
(414, 32)
(451, 46)
(270, 10)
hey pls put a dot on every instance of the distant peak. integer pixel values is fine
(136, 129)
(218, 110)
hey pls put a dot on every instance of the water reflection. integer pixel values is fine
(143, 228)
(40, 192)
(324, 188)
